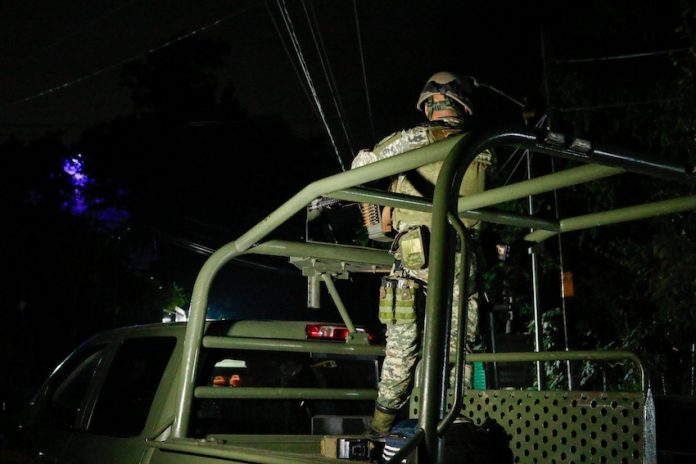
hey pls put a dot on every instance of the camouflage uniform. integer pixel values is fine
(397, 300)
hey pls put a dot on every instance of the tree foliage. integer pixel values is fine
(634, 282)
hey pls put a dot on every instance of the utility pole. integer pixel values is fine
(564, 291)
(538, 345)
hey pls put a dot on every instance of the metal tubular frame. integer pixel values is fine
(231, 453)
(463, 308)
(328, 281)
(396, 200)
(277, 393)
(456, 152)
(631, 213)
(295, 346)
(446, 201)
(564, 356)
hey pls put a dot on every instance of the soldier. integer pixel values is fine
(445, 101)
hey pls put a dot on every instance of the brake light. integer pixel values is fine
(331, 332)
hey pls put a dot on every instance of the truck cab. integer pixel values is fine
(117, 390)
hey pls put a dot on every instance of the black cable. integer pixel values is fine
(292, 62)
(328, 72)
(71, 34)
(364, 72)
(622, 57)
(478, 83)
(149, 51)
(617, 105)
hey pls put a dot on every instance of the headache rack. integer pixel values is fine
(548, 426)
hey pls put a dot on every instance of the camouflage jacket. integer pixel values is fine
(411, 139)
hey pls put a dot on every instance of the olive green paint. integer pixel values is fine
(631, 213)
(456, 154)
(278, 393)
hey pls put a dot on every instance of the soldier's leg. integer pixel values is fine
(399, 362)
(400, 356)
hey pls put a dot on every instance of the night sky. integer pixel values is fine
(62, 73)
(45, 44)
(48, 43)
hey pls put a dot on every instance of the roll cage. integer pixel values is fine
(436, 407)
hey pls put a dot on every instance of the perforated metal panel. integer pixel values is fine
(563, 427)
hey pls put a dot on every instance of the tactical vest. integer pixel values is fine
(420, 136)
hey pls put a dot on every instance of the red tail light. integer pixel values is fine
(331, 332)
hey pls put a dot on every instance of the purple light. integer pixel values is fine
(74, 167)
(77, 202)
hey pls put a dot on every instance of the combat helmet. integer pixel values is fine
(449, 85)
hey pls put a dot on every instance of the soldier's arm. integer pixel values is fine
(485, 158)
(403, 141)
(392, 145)
(364, 157)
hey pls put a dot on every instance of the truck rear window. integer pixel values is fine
(134, 376)
(240, 368)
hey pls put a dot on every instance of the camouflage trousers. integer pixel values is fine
(399, 313)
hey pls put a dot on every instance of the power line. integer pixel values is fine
(623, 57)
(292, 61)
(478, 83)
(328, 72)
(207, 251)
(617, 105)
(46, 124)
(310, 83)
(73, 33)
(364, 73)
(146, 52)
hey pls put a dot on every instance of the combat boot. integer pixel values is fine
(382, 422)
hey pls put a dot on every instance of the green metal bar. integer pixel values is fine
(631, 213)
(321, 250)
(233, 453)
(473, 144)
(540, 141)
(542, 184)
(529, 356)
(281, 393)
(397, 200)
(563, 356)
(199, 303)
(644, 165)
(328, 280)
(439, 290)
(445, 201)
(463, 315)
(199, 297)
(381, 169)
(194, 333)
(295, 346)
(510, 219)
(383, 198)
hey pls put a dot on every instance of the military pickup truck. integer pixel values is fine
(302, 392)
(116, 394)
